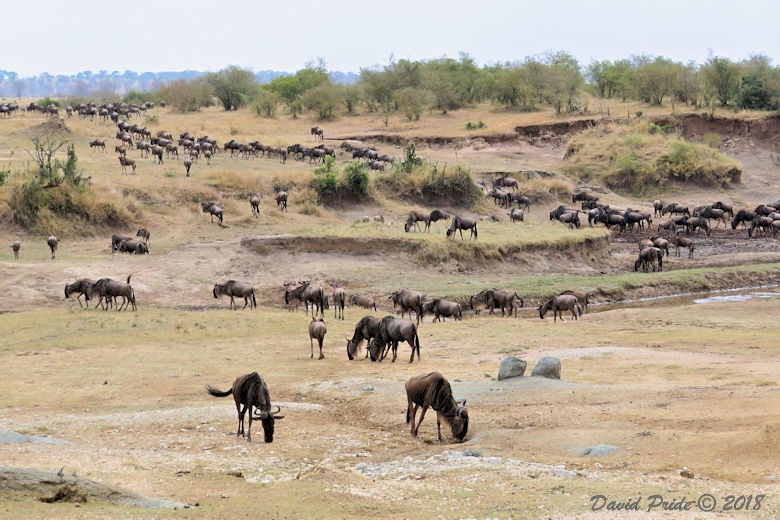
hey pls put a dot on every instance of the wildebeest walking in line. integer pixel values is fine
(52, 241)
(317, 330)
(414, 218)
(187, 166)
(235, 289)
(393, 330)
(365, 330)
(251, 391)
(560, 303)
(109, 290)
(461, 223)
(16, 246)
(214, 210)
(434, 391)
(80, 288)
(493, 299)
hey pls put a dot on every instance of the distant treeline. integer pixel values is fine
(118, 83)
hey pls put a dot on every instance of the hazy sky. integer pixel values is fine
(140, 35)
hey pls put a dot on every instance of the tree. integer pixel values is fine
(48, 166)
(511, 88)
(654, 79)
(564, 81)
(265, 103)
(721, 77)
(233, 86)
(289, 90)
(322, 100)
(351, 96)
(186, 95)
(411, 101)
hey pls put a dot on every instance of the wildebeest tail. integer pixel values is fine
(254, 301)
(475, 230)
(218, 393)
(417, 345)
(579, 309)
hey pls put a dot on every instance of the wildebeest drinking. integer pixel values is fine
(434, 391)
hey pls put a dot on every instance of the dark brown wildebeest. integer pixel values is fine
(16, 246)
(678, 242)
(693, 223)
(647, 256)
(100, 144)
(742, 216)
(408, 300)
(248, 391)
(461, 223)
(675, 208)
(432, 390)
(414, 218)
(281, 200)
(763, 223)
(213, 209)
(339, 299)
(658, 207)
(365, 330)
(362, 301)
(108, 290)
(523, 201)
(497, 298)
(437, 215)
(393, 330)
(52, 241)
(124, 161)
(144, 233)
(236, 289)
(571, 219)
(506, 182)
(660, 243)
(560, 303)
(81, 288)
(318, 133)
(116, 240)
(442, 309)
(134, 247)
(710, 213)
(121, 150)
(727, 208)
(254, 201)
(314, 293)
(317, 330)
(583, 196)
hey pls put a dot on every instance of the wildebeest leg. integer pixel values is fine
(240, 412)
(322, 356)
(249, 426)
(311, 347)
(438, 425)
(233, 306)
(395, 348)
(246, 302)
(411, 412)
(422, 415)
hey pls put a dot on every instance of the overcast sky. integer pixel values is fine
(145, 36)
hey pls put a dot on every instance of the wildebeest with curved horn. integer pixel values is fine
(214, 210)
(365, 330)
(560, 303)
(461, 223)
(317, 330)
(414, 218)
(81, 288)
(254, 201)
(408, 301)
(52, 241)
(393, 330)
(251, 391)
(236, 289)
(434, 391)
(743, 216)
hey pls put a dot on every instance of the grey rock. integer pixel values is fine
(472, 453)
(511, 367)
(548, 367)
(600, 450)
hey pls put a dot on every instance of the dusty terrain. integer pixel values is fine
(670, 384)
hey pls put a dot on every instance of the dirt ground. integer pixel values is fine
(671, 399)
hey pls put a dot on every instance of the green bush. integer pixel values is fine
(49, 101)
(475, 126)
(356, 179)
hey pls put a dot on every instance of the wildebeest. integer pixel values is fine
(497, 298)
(393, 330)
(678, 242)
(365, 330)
(506, 182)
(80, 288)
(743, 216)
(658, 207)
(560, 303)
(648, 256)
(445, 309)
(248, 391)
(281, 200)
(675, 208)
(461, 223)
(560, 210)
(434, 391)
(522, 200)
(108, 290)
(16, 246)
(414, 218)
(571, 219)
(339, 298)
(362, 301)
(125, 161)
(134, 247)
(214, 210)
(709, 213)
(317, 330)
(611, 219)
(437, 215)
(693, 223)
(236, 289)
(116, 240)
(516, 215)
(582, 298)
(100, 144)
(408, 301)
(318, 133)
(52, 241)
(727, 208)
(307, 292)
(254, 201)
(584, 196)
(144, 233)
(187, 165)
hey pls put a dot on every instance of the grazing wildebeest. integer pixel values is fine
(582, 299)
(461, 223)
(362, 301)
(434, 391)
(81, 288)
(213, 209)
(560, 303)
(516, 215)
(52, 241)
(135, 247)
(317, 330)
(522, 200)
(764, 223)
(677, 241)
(414, 218)
(235, 289)
(254, 201)
(248, 391)
(281, 200)
(16, 246)
(124, 161)
(393, 330)
(108, 290)
(667, 225)
(408, 300)
(647, 256)
(339, 298)
(144, 233)
(100, 144)
(366, 329)
(445, 309)
(187, 165)
(506, 182)
(742, 216)
(318, 133)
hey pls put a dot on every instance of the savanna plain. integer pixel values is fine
(659, 396)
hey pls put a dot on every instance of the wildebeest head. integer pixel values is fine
(267, 419)
(450, 232)
(459, 423)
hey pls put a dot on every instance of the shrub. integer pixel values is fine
(356, 180)
(150, 120)
(475, 126)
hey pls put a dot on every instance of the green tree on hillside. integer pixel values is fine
(721, 77)
(412, 101)
(654, 78)
(322, 100)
